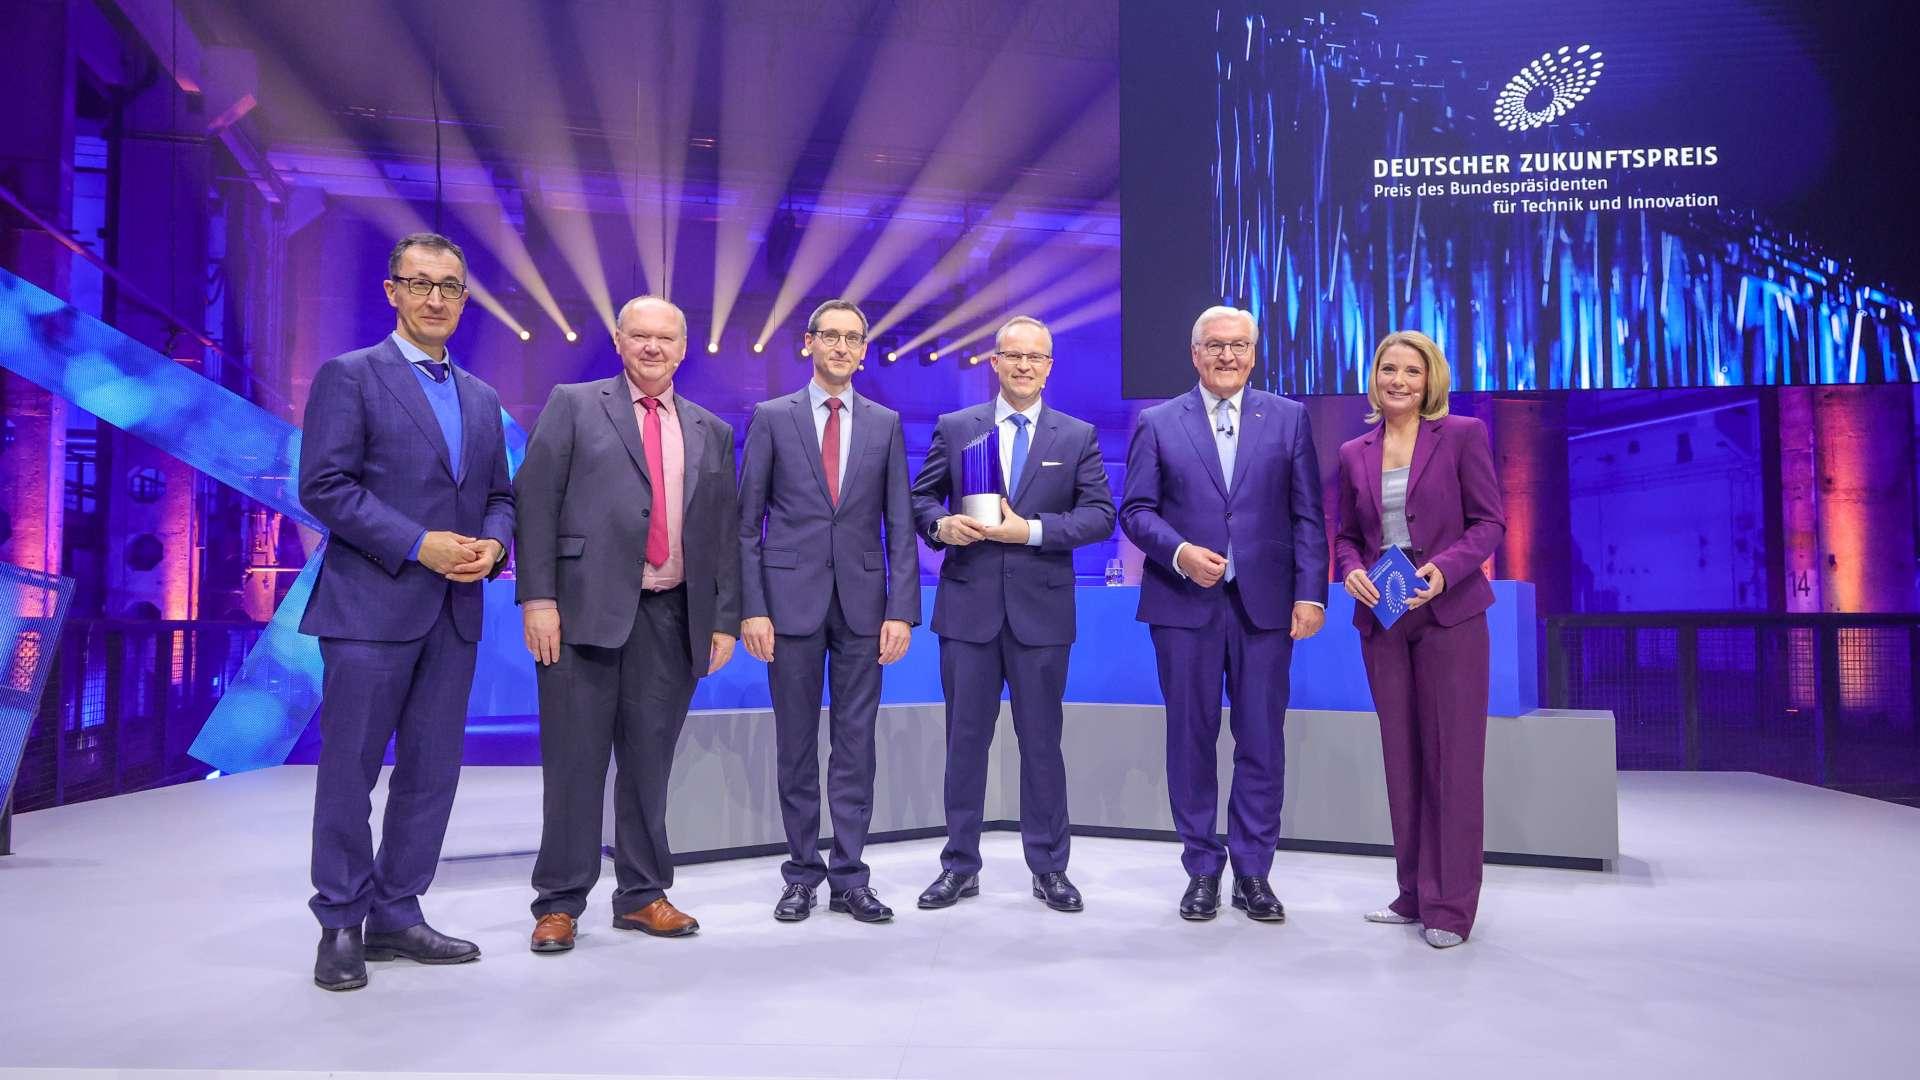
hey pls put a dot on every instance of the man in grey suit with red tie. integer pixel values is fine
(1223, 497)
(1005, 609)
(403, 459)
(628, 584)
(830, 581)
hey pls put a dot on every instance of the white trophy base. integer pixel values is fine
(984, 509)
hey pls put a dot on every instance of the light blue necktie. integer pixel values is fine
(1019, 453)
(1223, 439)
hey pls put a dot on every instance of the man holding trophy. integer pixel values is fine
(1009, 489)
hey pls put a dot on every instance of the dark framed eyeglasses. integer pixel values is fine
(1217, 349)
(1034, 358)
(832, 338)
(419, 286)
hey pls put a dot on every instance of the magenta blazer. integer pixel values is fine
(1453, 513)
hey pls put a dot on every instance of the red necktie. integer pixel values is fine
(830, 450)
(657, 547)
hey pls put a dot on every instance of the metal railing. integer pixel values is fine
(122, 704)
(1824, 699)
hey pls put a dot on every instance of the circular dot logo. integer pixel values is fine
(1548, 88)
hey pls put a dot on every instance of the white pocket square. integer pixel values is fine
(1045, 463)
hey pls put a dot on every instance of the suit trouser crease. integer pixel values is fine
(849, 665)
(1254, 666)
(413, 693)
(971, 675)
(627, 706)
(1430, 689)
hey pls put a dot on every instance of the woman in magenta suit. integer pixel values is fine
(1423, 481)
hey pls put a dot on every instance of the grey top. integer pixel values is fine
(1393, 508)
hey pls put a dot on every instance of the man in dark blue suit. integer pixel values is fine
(1005, 611)
(402, 458)
(1223, 497)
(829, 580)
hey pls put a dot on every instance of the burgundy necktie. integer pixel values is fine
(657, 547)
(830, 450)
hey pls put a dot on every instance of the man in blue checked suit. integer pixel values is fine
(1005, 609)
(403, 459)
(1223, 497)
(829, 591)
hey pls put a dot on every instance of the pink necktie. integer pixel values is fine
(657, 547)
(830, 450)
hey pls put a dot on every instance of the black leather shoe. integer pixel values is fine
(1057, 891)
(1201, 901)
(1255, 897)
(950, 888)
(796, 903)
(862, 903)
(421, 944)
(342, 960)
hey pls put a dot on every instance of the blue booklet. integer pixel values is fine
(1393, 575)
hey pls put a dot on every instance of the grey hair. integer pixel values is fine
(1000, 335)
(432, 241)
(651, 299)
(1224, 312)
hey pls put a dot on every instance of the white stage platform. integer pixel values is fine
(1751, 928)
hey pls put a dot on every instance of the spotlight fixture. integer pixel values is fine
(973, 361)
(892, 356)
(759, 346)
(806, 351)
(713, 347)
(526, 335)
(933, 354)
(572, 337)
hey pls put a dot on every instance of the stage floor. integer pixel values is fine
(1753, 928)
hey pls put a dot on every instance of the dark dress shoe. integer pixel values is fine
(660, 918)
(796, 903)
(553, 932)
(421, 944)
(342, 961)
(950, 888)
(1255, 897)
(1201, 901)
(1057, 891)
(862, 903)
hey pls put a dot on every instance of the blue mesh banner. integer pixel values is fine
(32, 608)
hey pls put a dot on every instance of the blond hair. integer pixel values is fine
(1433, 403)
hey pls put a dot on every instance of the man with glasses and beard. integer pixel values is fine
(403, 459)
(829, 582)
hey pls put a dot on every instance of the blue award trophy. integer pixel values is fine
(1394, 576)
(980, 487)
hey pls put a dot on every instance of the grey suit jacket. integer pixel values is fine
(585, 497)
(795, 542)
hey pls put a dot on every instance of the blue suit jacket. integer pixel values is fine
(1271, 512)
(987, 585)
(374, 469)
(794, 540)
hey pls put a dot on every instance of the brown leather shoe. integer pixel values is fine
(553, 932)
(660, 919)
